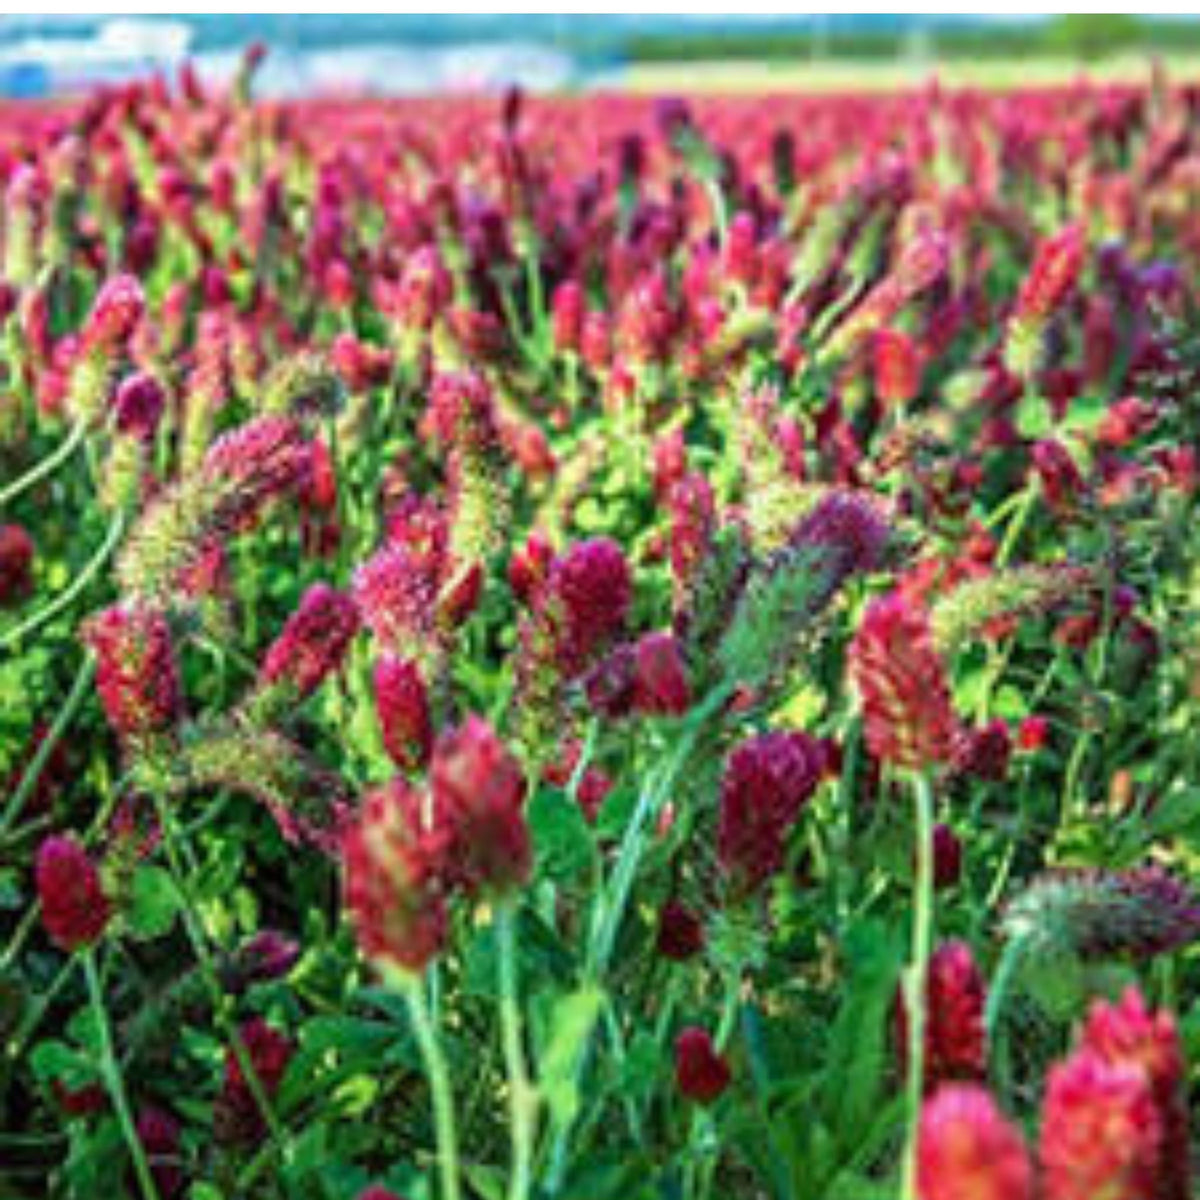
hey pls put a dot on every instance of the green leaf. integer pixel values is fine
(571, 1023)
(561, 838)
(490, 1182)
(154, 903)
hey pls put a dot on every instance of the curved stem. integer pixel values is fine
(916, 975)
(66, 598)
(439, 1083)
(79, 692)
(522, 1098)
(46, 467)
(113, 1081)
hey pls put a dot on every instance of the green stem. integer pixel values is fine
(208, 970)
(1001, 985)
(67, 597)
(1016, 525)
(915, 977)
(113, 1081)
(46, 467)
(522, 1098)
(79, 691)
(439, 1082)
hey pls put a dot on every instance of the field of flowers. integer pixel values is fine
(600, 649)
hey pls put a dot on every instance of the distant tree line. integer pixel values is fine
(1082, 36)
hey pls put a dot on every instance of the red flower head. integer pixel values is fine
(1101, 1132)
(402, 703)
(16, 563)
(768, 779)
(701, 1074)
(158, 1132)
(393, 864)
(75, 909)
(135, 670)
(983, 753)
(479, 795)
(529, 566)
(947, 857)
(680, 932)
(1056, 267)
(138, 405)
(955, 997)
(568, 313)
(660, 683)
(236, 1115)
(1129, 1034)
(375, 1192)
(115, 314)
(968, 1151)
(897, 368)
(901, 679)
(590, 588)
(313, 641)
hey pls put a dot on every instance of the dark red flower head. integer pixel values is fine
(680, 932)
(701, 1074)
(138, 405)
(768, 779)
(16, 563)
(955, 997)
(236, 1115)
(75, 909)
(313, 641)
(479, 796)
(590, 588)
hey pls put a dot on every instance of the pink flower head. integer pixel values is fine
(897, 367)
(568, 308)
(1101, 1133)
(313, 641)
(135, 670)
(968, 1151)
(402, 704)
(479, 797)
(115, 314)
(768, 779)
(1129, 1034)
(75, 909)
(392, 864)
(701, 1073)
(902, 682)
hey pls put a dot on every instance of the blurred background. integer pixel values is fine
(418, 53)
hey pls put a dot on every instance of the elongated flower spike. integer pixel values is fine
(1097, 914)
(392, 864)
(136, 674)
(908, 717)
(1056, 267)
(309, 648)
